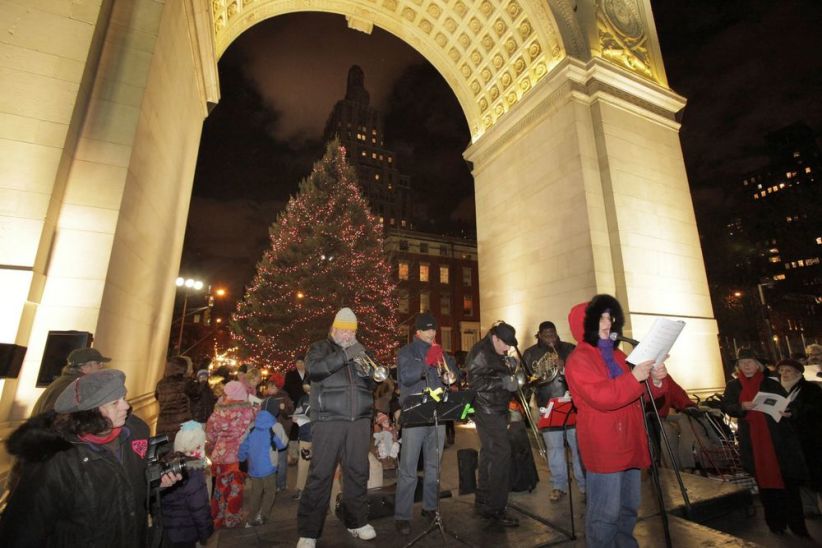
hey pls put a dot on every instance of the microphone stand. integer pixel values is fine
(652, 452)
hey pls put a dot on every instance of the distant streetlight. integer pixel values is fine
(300, 294)
(737, 293)
(187, 284)
(220, 292)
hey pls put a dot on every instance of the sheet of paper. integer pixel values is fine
(657, 342)
(772, 404)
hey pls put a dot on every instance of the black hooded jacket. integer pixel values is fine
(338, 393)
(72, 493)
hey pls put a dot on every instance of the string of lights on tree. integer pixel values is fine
(326, 252)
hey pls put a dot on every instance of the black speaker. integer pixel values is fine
(59, 345)
(11, 359)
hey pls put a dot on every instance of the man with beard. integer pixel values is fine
(341, 402)
(550, 395)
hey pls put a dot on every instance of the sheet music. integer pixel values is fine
(770, 403)
(657, 342)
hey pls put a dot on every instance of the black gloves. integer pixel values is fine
(354, 351)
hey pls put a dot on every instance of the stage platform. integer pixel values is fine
(542, 523)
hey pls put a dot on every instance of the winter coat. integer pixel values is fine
(486, 370)
(202, 402)
(226, 428)
(75, 493)
(610, 425)
(304, 408)
(49, 396)
(414, 374)
(784, 438)
(187, 510)
(806, 418)
(557, 387)
(294, 384)
(172, 393)
(256, 448)
(338, 393)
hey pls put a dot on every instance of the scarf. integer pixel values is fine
(104, 439)
(606, 350)
(766, 464)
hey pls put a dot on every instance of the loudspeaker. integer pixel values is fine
(59, 345)
(11, 359)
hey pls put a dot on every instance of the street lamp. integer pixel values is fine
(187, 284)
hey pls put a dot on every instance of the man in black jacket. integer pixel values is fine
(493, 381)
(341, 408)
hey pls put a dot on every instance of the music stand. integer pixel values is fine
(424, 410)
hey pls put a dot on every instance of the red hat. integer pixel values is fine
(277, 379)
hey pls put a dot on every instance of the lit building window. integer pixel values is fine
(468, 305)
(376, 176)
(819, 240)
(778, 277)
(788, 174)
(443, 274)
(781, 185)
(425, 301)
(808, 169)
(796, 154)
(373, 155)
(789, 218)
(392, 221)
(402, 223)
(424, 267)
(775, 259)
(382, 220)
(466, 276)
(402, 270)
(390, 159)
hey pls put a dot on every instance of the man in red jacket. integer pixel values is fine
(612, 440)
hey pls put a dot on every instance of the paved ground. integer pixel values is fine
(719, 505)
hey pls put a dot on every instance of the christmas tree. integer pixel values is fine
(326, 253)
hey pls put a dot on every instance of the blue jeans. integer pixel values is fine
(414, 439)
(613, 501)
(556, 459)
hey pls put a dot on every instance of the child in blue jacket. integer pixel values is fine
(260, 448)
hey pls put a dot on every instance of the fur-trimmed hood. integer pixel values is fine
(584, 318)
(36, 440)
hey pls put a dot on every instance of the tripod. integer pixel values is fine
(415, 415)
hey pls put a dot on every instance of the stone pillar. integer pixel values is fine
(581, 189)
(97, 164)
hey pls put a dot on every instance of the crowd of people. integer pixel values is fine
(84, 463)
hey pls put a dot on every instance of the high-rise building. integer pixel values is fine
(781, 216)
(359, 127)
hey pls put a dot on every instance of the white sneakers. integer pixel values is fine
(366, 532)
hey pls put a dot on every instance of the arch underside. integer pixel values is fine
(491, 52)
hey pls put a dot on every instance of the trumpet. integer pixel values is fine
(369, 367)
(446, 375)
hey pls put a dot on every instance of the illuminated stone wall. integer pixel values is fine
(582, 190)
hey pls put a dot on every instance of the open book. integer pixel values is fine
(770, 403)
(657, 342)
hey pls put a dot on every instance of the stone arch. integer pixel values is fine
(491, 52)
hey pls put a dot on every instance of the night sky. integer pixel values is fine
(746, 68)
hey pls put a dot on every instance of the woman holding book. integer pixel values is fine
(769, 450)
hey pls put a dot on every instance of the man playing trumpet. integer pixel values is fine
(421, 364)
(341, 402)
(546, 362)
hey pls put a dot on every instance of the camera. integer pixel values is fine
(157, 466)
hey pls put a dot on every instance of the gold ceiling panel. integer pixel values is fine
(491, 52)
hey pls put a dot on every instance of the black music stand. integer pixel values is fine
(427, 409)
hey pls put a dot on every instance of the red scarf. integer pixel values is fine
(102, 440)
(766, 465)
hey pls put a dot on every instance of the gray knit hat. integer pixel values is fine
(91, 391)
